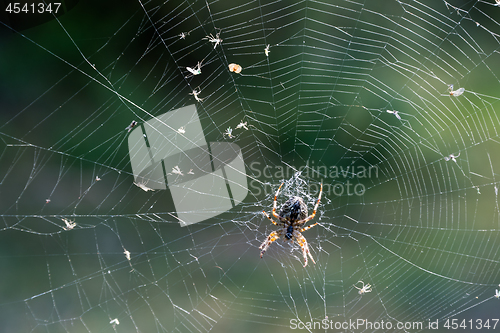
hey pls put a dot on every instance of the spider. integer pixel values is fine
(367, 288)
(292, 217)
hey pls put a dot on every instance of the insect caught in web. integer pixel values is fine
(143, 186)
(457, 92)
(366, 288)
(266, 50)
(229, 133)
(292, 217)
(176, 171)
(235, 68)
(195, 93)
(196, 70)
(131, 126)
(396, 113)
(216, 40)
(451, 157)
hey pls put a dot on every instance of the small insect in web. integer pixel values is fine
(396, 113)
(143, 186)
(127, 254)
(183, 35)
(216, 40)
(69, 224)
(292, 218)
(235, 68)
(457, 92)
(195, 70)
(364, 289)
(229, 133)
(115, 322)
(181, 130)
(242, 125)
(497, 2)
(131, 126)
(176, 171)
(195, 93)
(497, 294)
(266, 50)
(451, 157)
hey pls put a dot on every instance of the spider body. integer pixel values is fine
(289, 232)
(292, 217)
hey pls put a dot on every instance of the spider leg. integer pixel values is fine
(269, 217)
(305, 248)
(270, 239)
(274, 204)
(310, 217)
(308, 227)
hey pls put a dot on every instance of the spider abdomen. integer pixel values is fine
(294, 209)
(289, 232)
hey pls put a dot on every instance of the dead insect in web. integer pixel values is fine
(292, 218)
(457, 92)
(216, 40)
(176, 171)
(396, 113)
(195, 70)
(235, 68)
(242, 125)
(451, 157)
(143, 186)
(181, 130)
(364, 289)
(195, 93)
(229, 133)
(266, 50)
(68, 224)
(183, 35)
(131, 126)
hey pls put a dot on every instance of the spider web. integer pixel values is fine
(354, 95)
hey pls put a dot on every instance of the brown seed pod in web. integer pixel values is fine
(235, 68)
